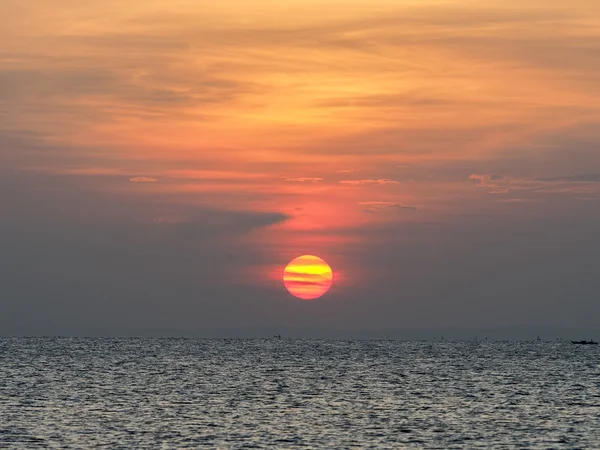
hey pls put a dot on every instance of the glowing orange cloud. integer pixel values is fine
(307, 277)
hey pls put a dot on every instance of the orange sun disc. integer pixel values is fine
(307, 277)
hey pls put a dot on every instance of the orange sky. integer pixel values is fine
(342, 117)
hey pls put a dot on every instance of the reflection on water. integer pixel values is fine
(148, 393)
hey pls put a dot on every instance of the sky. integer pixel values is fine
(162, 161)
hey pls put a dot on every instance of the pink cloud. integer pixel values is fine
(303, 179)
(362, 182)
(143, 180)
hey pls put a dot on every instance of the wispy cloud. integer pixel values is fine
(363, 182)
(579, 178)
(517, 200)
(571, 184)
(213, 175)
(143, 180)
(223, 221)
(303, 179)
(374, 206)
(495, 183)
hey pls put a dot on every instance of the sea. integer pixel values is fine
(148, 393)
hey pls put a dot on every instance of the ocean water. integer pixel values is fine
(255, 393)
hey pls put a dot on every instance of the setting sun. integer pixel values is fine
(307, 277)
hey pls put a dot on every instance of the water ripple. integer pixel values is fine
(236, 393)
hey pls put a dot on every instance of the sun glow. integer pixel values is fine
(307, 277)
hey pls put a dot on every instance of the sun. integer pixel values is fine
(307, 277)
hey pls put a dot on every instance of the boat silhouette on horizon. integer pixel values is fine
(590, 342)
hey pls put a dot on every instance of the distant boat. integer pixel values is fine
(590, 342)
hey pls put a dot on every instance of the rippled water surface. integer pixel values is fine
(215, 393)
